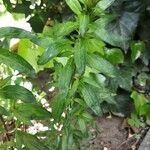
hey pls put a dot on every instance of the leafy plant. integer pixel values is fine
(88, 59)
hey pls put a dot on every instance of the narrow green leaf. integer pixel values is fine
(114, 55)
(31, 142)
(54, 48)
(104, 4)
(84, 22)
(80, 57)
(16, 62)
(13, 32)
(3, 111)
(87, 3)
(5, 81)
(73, 88)
(63, 29)
(82, 125)
(101, 64)
(75, 6)
(90, 98)
(65, 77)
(18, 93)
(57, 106)
(27, 111)
(64, 144)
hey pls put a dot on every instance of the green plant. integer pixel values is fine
(85, 58)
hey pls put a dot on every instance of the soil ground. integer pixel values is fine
(114, 134)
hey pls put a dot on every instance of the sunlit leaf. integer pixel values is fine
(75, 6)
(16, 62)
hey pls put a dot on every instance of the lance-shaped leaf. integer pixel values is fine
(26, 111)
(90, 98)
(54, 48)
(13, 32)
(75, 6)
(65, 77)
(3, 111)
(17, 92)
(104, 4)
(16, 62)
(101, 64)
(63, 29)
(84, 22)
(80, 56)
(31, 142)
(4, 82)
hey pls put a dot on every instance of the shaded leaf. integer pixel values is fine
(3, 111)
(54, 48)
(31, 142)
(90, 98)
(4, 82)
(18, 93)
(31, 112)
(119, 31)
(101, 64)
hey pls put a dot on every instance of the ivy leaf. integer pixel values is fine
(31, 142)
(75, 6)
(18, 93)
(136, 49)
(101, 64)
(114, 55)
(118, 32)
(139, 100)
(16, 62)
(84, 22)
(90, 98)
(80, 56)
(54, 48)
